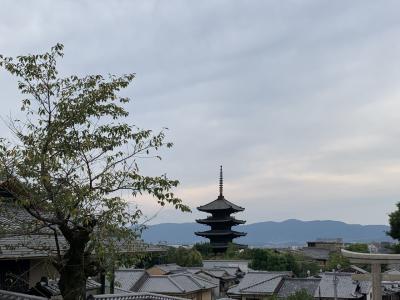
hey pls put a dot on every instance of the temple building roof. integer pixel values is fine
(220, 233)
(220, 204)
(213, 220)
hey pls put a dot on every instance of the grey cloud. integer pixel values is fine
(289, 96)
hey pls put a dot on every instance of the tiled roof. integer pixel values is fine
(22, 237)
(365, 286)
(28, 246)
(51, 287)
(126, 279)
(220, 204)
(193, 270)
(207, 277)
(207, 283)
(392, 272)
(168, 268)
(390, 288)
(264, 287)
(259, 283)
(217, 273)
(292, 285)
(14, 220)
(160, 284)
(346, 287)
(6, 295)
(43, 245)
(175, 284)
(136, 296)
(232, 271)
(243, 265)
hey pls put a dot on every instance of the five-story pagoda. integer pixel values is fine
(220, 221)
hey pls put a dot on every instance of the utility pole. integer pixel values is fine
(335, 282)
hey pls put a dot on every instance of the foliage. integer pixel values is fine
(204, 249)
(264, 259)
(394, 222)
(270, 260)
(184, 257)
(150, 260)
(181, 256)
(305, 266)
(395, 248)
(300, 295)
(358, 247)
(335, 260)
(232, 252)
(73, 162)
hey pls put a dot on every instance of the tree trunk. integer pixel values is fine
(73, 277)
(73, 282)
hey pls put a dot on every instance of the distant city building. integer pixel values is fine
(320, 249)
(330, 244)
(220, 221)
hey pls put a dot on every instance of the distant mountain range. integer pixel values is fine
(289, 232)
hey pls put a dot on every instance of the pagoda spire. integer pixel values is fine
(221, 182)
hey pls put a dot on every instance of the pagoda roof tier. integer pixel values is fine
(220, 204)
(212, 220)
(209, 233)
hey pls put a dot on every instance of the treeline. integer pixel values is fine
(265, 259)
(260, 258)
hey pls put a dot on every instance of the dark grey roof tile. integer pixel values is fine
(6, 295)
(292, 285)
(137, 296)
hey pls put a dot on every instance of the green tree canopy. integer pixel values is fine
(184, 257)
(358, 247)
(394, 222)
(269, 260)
(205, 250)
(73, 162)
(335, 260)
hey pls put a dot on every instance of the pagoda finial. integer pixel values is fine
(221, 182)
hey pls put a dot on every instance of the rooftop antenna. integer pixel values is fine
(221, 182)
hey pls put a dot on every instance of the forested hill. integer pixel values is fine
(289, 232)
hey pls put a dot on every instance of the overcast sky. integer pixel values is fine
(298, 100)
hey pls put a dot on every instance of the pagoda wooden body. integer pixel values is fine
(220, 221)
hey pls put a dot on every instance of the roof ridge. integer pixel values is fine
(304, 279)
(175, 283)
(20, 295)
(140, 282)
(192, 278)
(269, 272)
(260, 282)
(201, 278)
